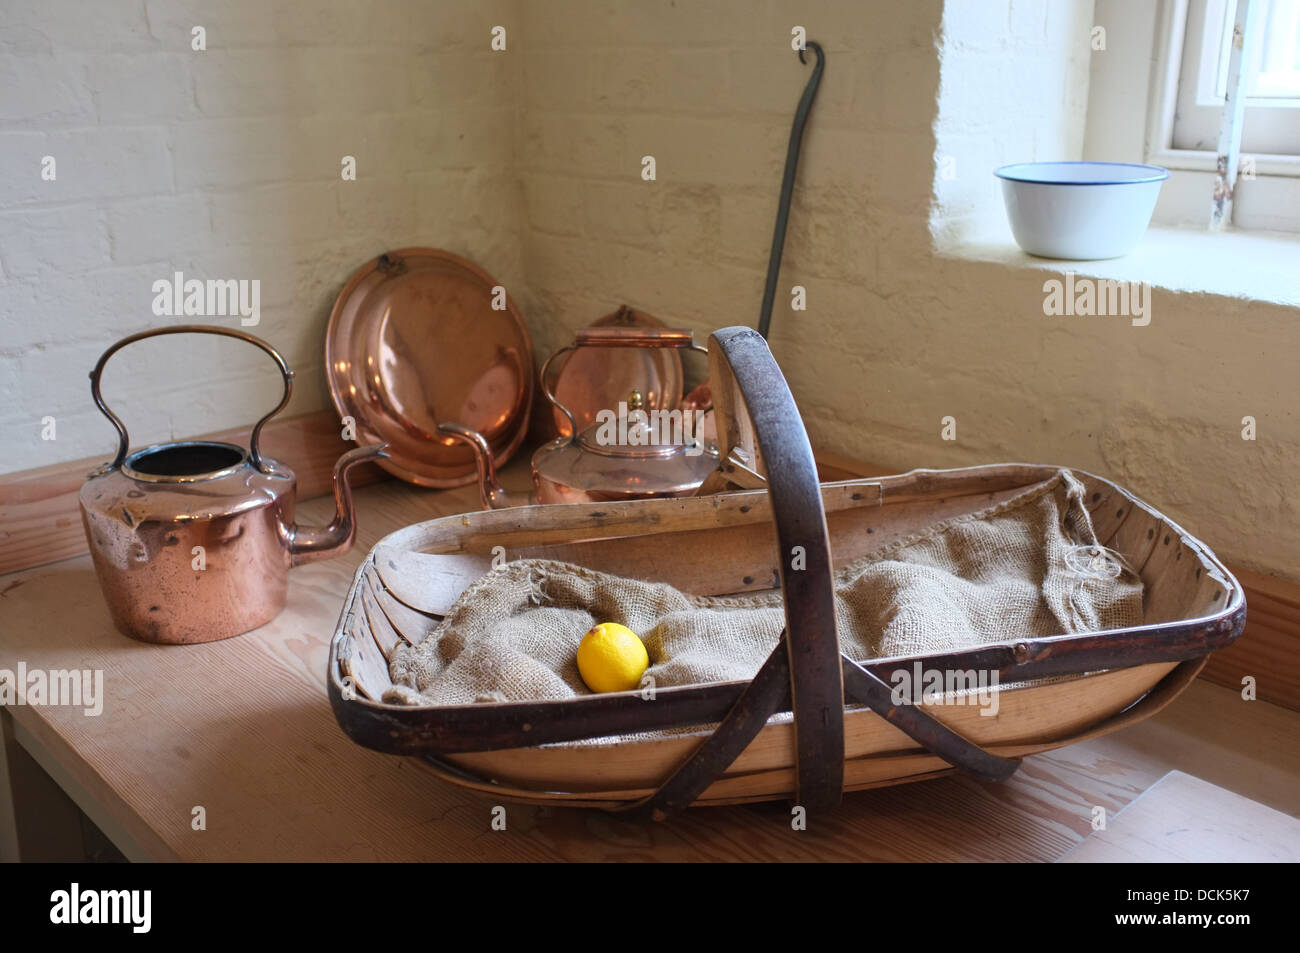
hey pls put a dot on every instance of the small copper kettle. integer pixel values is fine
(630, 454)
(192, 541)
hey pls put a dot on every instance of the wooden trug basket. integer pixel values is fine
(845, 733)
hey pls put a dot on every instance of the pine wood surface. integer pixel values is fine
(1183, 819)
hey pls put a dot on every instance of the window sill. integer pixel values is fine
(1258, 266)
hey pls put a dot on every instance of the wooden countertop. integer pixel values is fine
(243, 729)
(1181, 819)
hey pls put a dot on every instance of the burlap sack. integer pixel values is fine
(1028, 567)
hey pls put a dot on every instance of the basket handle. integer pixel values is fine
(755, 405)
(745, 375)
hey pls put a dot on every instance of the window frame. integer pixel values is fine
(1171, 40)
(1133, 83)
(1199, 103)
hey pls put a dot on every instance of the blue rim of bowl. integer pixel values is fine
(1156, 173)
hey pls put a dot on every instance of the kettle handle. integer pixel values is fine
(124, 441)
(615, 337)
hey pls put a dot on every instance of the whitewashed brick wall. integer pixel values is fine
(226, 163)
(897, 335)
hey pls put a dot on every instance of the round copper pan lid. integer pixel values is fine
(412, 342)
(592, 379)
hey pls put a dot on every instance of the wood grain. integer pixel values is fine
(1025, 716)
(1269, 649)
(243, 728)
(40, 517)
(1182, 819)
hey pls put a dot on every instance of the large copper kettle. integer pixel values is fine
(630, 454)
(192, 540)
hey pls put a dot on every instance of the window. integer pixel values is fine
(1156, 95)
(1272, 77)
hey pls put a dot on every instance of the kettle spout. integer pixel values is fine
(492, 494)
(307, 544)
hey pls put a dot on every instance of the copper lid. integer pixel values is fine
(413, 341)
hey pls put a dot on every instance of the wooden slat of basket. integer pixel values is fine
(932, 485)
(428, 582)
(363, 660)
(739, 561)
(386, 637)
(861, 531)
(861, 773)
(895, 768)
(1167, 591)
(1211, 590)
(1028, 715)
(522, 527)
(1103, 501)
(712, 562)
(706, 562)
(1139, 533)
(412, 625)
(722, 560)
(1131, 537)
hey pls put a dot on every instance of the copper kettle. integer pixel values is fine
(192, 540)
(630, 454)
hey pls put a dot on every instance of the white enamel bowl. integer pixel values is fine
(1080, 210)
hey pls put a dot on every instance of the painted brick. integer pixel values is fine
(228, 153)
(130, 88)
(312, 23)
(379, 208)
(158, 227)
(263, 81)
(38, 88)
(739, 153)
(554, 204)
(21, 178)
(108, 161)
(597, 146)
(62, 240)
(227, 25)
(60, 25)
(280, 214)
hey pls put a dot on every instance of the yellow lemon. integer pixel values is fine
(612, 659)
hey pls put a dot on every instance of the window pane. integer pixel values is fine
(1276, 72)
